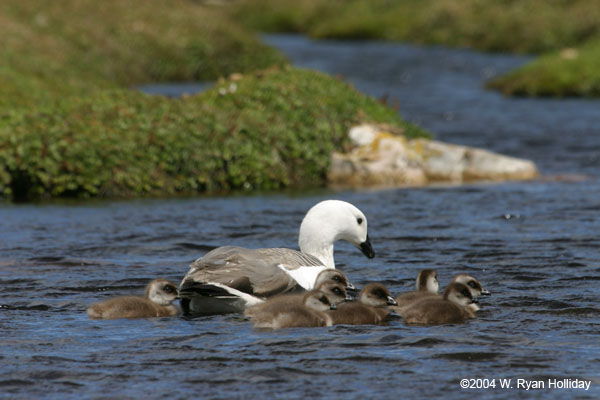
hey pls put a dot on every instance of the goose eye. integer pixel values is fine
(337, 291)
(359, 220)
(472, 284)
(337, 278)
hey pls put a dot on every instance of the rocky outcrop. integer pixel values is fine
(383, 157)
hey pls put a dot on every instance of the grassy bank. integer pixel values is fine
(524, 26)
(52, 49)
(269, 130)
(71, 126)
(567, 72)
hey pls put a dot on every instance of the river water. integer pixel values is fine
(534, 245)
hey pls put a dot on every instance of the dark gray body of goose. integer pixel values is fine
(229, 278)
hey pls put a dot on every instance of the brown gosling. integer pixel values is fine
(471, 282)
(335, 292)
(309, 312)
(333, 275)
(451, 309)
(160, 294)
(371, 307)
(427, 286)
(475, 287)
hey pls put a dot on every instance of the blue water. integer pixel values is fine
(534, 245)
(174, 89)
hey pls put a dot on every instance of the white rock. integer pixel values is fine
(362, 135)
(381, 158)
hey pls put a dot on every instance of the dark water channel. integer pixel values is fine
(534, 245)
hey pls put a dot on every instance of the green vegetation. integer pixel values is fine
(269, 130)
(568, 72)
(520, 26)
(71, 126)
(52, 49)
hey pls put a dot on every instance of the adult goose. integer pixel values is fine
(227, 279)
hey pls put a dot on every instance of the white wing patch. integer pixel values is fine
(248, 298)
(304, 275)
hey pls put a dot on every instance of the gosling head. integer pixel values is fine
(427, 281)
(161, 291)
(460, 294)
(335, 276)
(376, 295)
(474, 286)
(317, 300)
(335, 292)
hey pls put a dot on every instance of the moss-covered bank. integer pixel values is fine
(268, 130)
(52, 49)
(524, 26)
(571, 71)
(70, 125)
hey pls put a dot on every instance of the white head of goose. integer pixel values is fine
(227, 279)
(454, 307)
(160, 293)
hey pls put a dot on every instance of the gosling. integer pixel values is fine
(335, 292)
(427, 286)
(309, 312)
(471, 282)
(333, 275)
(160, 294)
(371, 307)
(453, 308)
(475, 287)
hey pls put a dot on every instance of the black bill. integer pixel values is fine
(367, 248)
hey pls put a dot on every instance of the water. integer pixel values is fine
(441, 90)
(534, 245)
(174, 89)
